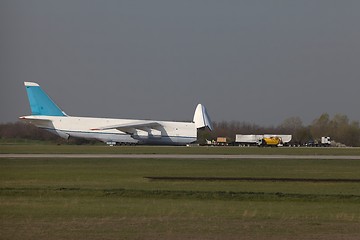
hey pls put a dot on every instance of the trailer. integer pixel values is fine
(286, 139)
(262, 140)
(248, 140)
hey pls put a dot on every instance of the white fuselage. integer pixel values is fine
(167, 133)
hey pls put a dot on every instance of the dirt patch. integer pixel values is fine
(252, 179)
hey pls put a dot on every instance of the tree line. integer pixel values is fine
(339, 128)
(24, 131)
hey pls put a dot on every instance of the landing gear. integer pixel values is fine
(111, 143)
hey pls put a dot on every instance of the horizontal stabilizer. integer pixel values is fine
(38, 121)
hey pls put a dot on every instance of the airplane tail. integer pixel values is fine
(40, 102)
(201, 117)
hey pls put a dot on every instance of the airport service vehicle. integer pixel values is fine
(45, 114)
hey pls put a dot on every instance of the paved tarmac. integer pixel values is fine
(177, 156)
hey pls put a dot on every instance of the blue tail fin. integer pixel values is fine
(40, 102)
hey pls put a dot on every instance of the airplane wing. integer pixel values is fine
(139, 128)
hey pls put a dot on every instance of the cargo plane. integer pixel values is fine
(45, 114)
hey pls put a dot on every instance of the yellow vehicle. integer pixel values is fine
(221, 141)
(270, 141)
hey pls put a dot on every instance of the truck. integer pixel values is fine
(221, 141)
(323, 142)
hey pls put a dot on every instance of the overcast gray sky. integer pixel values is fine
(255, 61)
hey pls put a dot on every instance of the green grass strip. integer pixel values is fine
(167, 194)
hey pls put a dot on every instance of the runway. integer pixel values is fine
(177, 156)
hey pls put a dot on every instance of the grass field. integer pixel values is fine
(111, 199)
